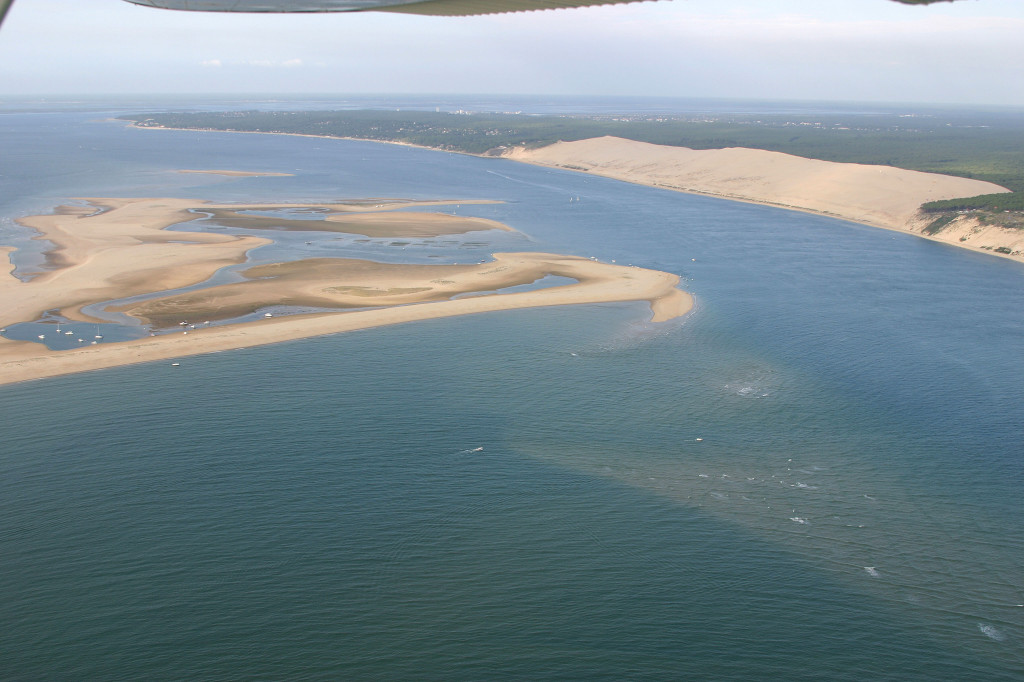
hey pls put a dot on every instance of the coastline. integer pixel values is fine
(112, 249)
(877, 196)
(910, 221)
(115, 248)
(597, 283)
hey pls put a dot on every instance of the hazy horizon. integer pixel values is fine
(878, 51)
(356, 100)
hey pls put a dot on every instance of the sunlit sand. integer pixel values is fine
(112, 249)
(881, 196)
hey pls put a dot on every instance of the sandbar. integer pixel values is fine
(113, 248)
(358, 220)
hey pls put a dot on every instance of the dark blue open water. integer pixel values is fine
(319, 509)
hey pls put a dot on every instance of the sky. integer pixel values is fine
(966, 52)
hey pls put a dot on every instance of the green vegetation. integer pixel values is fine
(1003, 210)
(936, 225)
(983, 146)
(989, 202)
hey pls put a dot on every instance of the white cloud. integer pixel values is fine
(214, 63)
(271, 63)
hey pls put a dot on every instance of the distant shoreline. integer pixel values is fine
(629, 162)
(877, 196)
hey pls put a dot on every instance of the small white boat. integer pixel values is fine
(267, 315)
(42, 336)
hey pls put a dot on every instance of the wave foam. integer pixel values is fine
(991, 632)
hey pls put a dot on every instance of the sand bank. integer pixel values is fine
(382, 222)
(596, 283)
(342, 283)
(115, 248)
(112, 248)
(881, 196)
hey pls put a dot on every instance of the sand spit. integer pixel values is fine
(881, 196)
(382, 222)
(596, 283)
(342, 283)
(112, 248)
(115, 248)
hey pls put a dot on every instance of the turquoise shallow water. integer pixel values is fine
(321, 508)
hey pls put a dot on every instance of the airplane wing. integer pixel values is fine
(432, 7)
(4, 6)
(451, 8)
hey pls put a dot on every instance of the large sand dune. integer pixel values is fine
(882, 196)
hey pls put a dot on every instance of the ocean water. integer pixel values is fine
(814, 475)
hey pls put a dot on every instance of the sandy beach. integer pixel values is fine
(880, 196)
(112, 248)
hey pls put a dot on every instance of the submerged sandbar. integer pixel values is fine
(239, 174)
(380, 223)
